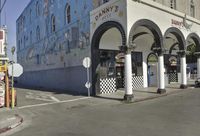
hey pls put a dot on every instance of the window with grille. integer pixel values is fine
(192, 8)
(173, 4)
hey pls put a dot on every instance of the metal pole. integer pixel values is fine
(7, 88)
(88, 80)
(13, 91)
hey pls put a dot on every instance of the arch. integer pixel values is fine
(152, 60)
(196, 40)
(179, 35)
(158, 38)
(172, 47)
(103, 28)
(152, 54)
(95, 56)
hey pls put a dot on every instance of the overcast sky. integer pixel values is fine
(11, 12)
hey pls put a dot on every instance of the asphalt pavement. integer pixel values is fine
(50, 114)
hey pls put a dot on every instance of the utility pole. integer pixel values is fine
(0, 13)
(12, 89)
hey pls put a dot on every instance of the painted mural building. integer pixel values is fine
(132, 44)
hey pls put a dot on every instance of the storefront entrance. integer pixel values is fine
(173, 67)
(173, 75)
(152, 69)
(110, 71)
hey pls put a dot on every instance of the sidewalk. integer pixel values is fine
(142, 94)
(9, 120)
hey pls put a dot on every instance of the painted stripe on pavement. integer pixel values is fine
(45, 104)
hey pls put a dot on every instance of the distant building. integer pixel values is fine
(2, 41)
(54, 36)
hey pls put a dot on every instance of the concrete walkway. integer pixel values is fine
(142, 94)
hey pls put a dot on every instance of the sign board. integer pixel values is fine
(87, 62)
(2, 42)
(87, 84)
(17, 70)
(3, 68)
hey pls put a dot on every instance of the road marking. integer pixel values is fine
(45, 104)
(54, 98)
(42, 97)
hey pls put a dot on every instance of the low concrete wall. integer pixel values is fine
(67, 80)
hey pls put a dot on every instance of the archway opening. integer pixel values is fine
(146, 36)
(152, 62)
(107, 60)
(193, 46)
(174, 42)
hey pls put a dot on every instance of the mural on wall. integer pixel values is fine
(67, 46)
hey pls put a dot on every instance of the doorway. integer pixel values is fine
(152, 61)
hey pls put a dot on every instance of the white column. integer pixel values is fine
(183, 72)
(161, 75)
(128, 78)
(145, 68)
(198, 67)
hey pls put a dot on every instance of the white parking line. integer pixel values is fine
(45, 104)
(54, 98)
(42, 97)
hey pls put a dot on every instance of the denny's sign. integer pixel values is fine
(181, 24)
(106, 12)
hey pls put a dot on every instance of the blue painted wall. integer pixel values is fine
(47, 55)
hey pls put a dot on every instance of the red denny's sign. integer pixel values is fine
(181, 24)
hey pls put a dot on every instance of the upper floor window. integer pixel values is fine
(68, 14)
(53, 23)
(31, 37)
(173, 4)
(30, 15)
(38, 33)
(19, 46)
(104, 1)
(18, 27)
(24, 41)
(23, 21)
(192, 8)
(37, 8)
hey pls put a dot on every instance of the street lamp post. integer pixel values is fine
(13, 91)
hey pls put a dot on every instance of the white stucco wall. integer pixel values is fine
(160, 15)
(114, 10)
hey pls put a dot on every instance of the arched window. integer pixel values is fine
(192, 8)
(38, 33)
(68, 14)
(53, 23)
(37, 8)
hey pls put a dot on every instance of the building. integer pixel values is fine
(132, 43)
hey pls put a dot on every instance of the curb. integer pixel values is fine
(155, 97)
(5, 129)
